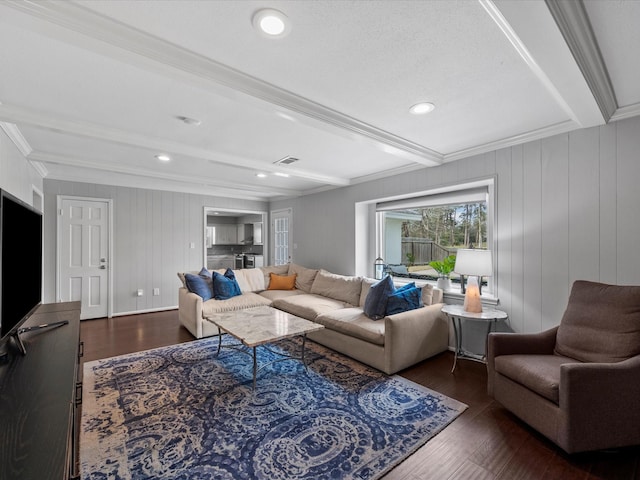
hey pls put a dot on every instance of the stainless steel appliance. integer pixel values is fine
(239, 261)
(249, 261)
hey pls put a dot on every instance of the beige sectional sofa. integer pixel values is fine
(389, 344)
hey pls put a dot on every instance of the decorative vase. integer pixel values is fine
(444, 283)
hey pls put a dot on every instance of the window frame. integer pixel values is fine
(446, 192)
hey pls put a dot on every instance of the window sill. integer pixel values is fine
(450, 296)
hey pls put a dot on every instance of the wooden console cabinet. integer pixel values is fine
(39, 395)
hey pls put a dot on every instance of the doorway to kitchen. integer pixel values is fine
(234, 238)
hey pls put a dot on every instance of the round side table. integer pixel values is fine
(457, 313)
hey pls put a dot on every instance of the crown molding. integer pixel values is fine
(533, 135)
(79, 19)
(573, 22)
(15, 135)
(626, 112)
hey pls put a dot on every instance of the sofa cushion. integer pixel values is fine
(225, 286)
(305, 276)
(250, 280)
(601, 323)
(239, 302)
(339, 287)
(539, 373)
(405, 299)
(366, 286)
(308, 305)
(375, 306)
(282, 282)
(427, 294)
(277, 269)
(353, 322)
(275, 294)
(199, 285)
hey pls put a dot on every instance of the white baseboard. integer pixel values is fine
(148, 310)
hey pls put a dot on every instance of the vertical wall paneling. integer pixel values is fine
(553, 227)
(628, 219)
(584, 205)
(504, 209)
(532, 216)
(517, 239)
(608, 195)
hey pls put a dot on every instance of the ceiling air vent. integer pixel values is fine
(288, 160)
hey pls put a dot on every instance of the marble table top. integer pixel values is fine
(260, 325)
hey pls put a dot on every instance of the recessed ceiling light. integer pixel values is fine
(271, 23)
(280, 174)
(216, 213)
(261, 175)
(422, 108)
(163, 158)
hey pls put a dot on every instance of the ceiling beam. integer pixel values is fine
(548, 56)
(183, 62)
(19, 115)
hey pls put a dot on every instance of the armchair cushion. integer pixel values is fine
(539, 373)
(601, 323)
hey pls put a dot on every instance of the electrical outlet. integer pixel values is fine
(140, 292)
(192, 245)
(156, 291)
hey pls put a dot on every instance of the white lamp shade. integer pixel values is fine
(471, 261)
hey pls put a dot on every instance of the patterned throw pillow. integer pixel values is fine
(225, 286)
(375, 306)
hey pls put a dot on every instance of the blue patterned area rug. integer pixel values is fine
(179, 412)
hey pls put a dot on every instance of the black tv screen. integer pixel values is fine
(20, 263)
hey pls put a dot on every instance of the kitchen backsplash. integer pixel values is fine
(233, 249)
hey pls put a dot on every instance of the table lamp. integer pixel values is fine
(475, 264)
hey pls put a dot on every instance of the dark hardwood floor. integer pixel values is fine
(485, 442)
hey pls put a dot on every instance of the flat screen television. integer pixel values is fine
(20, 266)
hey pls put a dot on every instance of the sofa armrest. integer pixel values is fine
(601, 397)
(414, 335)
(498, 344)
(190, 311)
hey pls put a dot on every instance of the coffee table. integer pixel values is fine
(258, 326)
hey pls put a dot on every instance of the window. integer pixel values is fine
(414, 231)
(281, 228)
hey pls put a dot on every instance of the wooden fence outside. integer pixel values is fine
(424, 250)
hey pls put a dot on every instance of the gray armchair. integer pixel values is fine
(579, 383)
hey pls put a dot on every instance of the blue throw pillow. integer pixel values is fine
(406, 286)
(225, 286)
(205, 273)
(404, 300)
(375, 305)
(199, 285)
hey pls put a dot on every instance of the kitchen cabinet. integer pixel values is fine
(245, 234)
(257, 233)
(222, 234)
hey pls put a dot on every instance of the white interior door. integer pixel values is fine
(281, 236)
(83, 248)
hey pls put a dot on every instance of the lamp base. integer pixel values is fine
(472, 301)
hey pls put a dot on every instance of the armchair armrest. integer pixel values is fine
(601, 397)
(522, 343)
(517, 343)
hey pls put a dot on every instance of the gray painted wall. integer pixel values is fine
(567, 209)
(152, 232)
